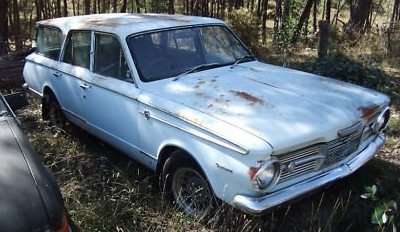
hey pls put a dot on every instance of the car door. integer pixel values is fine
(110, 97)
(41, 67)
(73, 68)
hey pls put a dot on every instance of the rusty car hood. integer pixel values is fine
(281, 106)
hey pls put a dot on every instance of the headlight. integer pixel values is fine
(268, 174)
(382, 121)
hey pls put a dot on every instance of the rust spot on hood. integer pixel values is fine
(368, 111)
(192, 120)
(247, 96)
(198, 84)
(252, 172)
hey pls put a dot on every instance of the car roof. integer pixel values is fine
(126, 24)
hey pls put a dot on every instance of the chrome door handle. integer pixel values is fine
(83, 86)
(57, 74)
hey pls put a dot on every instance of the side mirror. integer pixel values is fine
(34, 44)
(16, 100)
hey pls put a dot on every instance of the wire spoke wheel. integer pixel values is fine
(56, 115)
(192, 192)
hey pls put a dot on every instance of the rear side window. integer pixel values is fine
(78, 49)
(109, 59)
(49, 42)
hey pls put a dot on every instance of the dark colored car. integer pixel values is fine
(30, 199)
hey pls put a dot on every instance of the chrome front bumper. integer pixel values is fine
(259, 205)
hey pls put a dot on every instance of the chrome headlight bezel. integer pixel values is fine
(268, 174)
(381, 121)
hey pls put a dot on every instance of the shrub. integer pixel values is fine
(245, 26)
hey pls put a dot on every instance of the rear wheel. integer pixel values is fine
(52, 111)
(187, 186)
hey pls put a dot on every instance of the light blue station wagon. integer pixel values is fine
(183, 96)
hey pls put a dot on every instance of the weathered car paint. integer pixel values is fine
(229, 119)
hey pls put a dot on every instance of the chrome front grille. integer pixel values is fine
(301, 161)
(318, 156)
(342, 147)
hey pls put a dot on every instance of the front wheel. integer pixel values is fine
(187, 186)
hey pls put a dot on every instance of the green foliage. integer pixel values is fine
(394, 126)
(384, 211)
(245, 26)
(338, 65)
(370, 192)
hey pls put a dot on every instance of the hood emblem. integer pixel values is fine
(349, 130)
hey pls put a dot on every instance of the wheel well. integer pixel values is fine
(45, 109)
(47, 91)
(167, 151)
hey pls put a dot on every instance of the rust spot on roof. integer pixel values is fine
(368, 111)
(106, 22)
(247, 96)
(164, 17)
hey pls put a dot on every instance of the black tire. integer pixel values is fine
(184, 182)
(51, 110)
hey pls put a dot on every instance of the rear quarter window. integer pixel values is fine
(49, 42)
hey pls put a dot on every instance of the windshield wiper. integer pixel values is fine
(2, 113)
(197, 68)
(240, 59)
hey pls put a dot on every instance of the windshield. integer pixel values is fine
(169, 53)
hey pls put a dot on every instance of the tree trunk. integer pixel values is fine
(17, 26)
(73, 7)
(315, 12)
(264, 21)
(58, 8)
(65, 8)
(137, 6)
(285, 16)
(94, 7)
(278, 13)
(3, 27)
(223, 9)
(38, 4)
(87, 7)
(359, 18)
(123, 8)
(171, 7)
(259, 9)
(396, 11)
(304, 16)
(323, 39)
(114, 6)
(328, 10)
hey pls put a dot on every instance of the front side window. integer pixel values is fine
(168, 53)
(78, 49)
(49, 42)
(109, 59)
